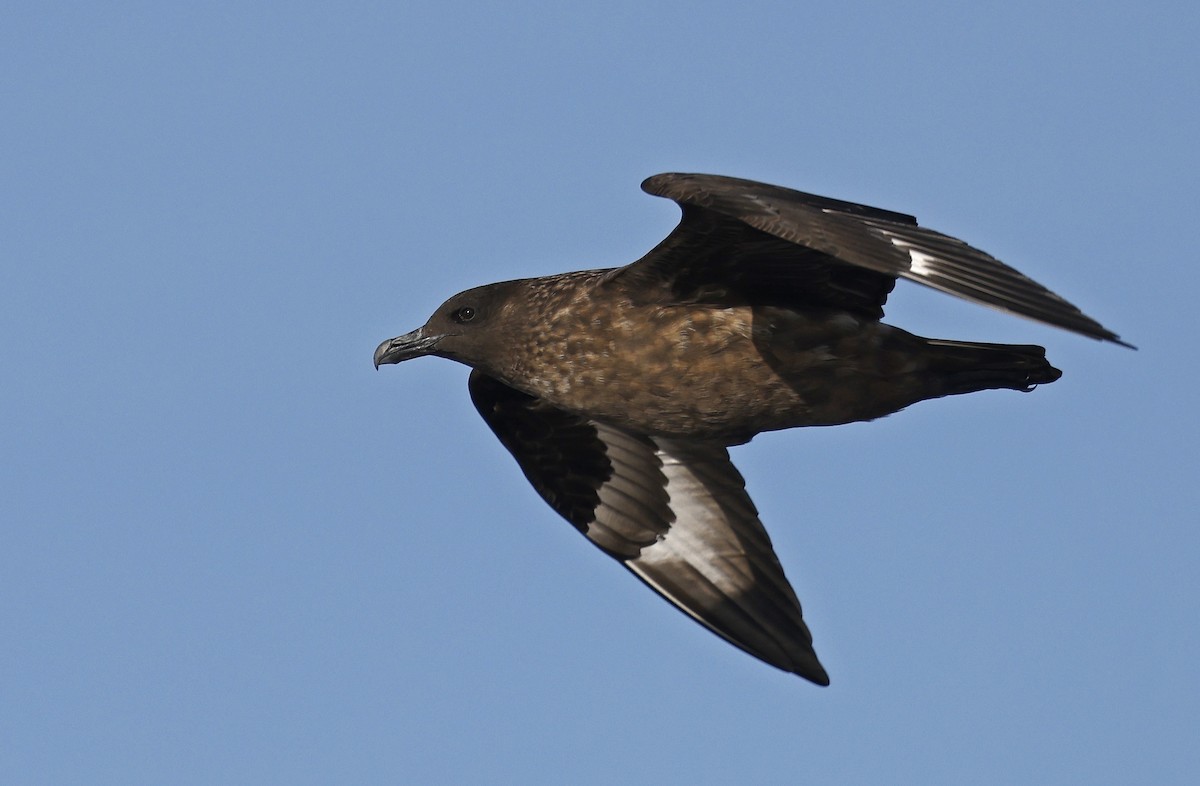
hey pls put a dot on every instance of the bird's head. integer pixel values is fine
(464, 328)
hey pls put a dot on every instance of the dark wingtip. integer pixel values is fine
(653, 184)
(816, 677)
(804, 664)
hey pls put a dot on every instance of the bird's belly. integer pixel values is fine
(725, 374)
(702, 407)
(730, 376)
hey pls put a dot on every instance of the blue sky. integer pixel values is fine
(232, 552)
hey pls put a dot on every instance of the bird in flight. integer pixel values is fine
(618, 391)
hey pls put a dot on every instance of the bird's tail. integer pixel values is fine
(965, 367)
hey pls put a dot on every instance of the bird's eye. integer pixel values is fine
(464, 314)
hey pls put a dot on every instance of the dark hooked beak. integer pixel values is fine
(410, 345)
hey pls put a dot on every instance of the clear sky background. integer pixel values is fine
(232, 552)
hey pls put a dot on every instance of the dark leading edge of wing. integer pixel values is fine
(674, 512)
(840, 254)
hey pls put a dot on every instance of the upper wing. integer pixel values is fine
(797, 242)
(673, 512)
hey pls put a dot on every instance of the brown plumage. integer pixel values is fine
(619, 390)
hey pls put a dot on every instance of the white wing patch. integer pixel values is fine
(715, 562)
(920, 263)
(702, 535)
